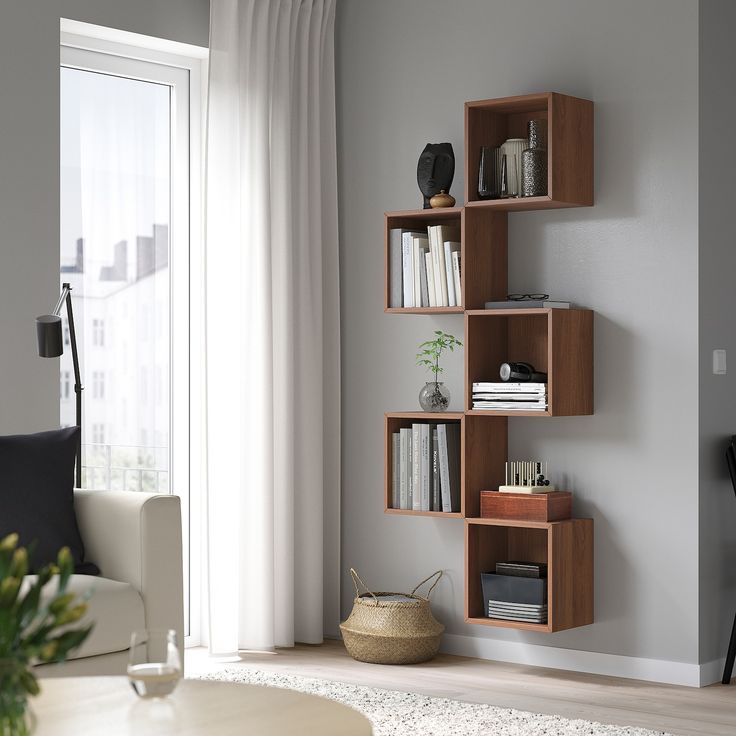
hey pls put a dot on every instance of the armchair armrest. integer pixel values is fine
(136, 538)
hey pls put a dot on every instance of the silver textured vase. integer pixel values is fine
(534, 162)
(434, 396)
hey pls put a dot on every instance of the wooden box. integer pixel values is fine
(553, 506)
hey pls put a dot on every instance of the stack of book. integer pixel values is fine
(508, 397)
(426, 468)
(425, 267)
(516, 592)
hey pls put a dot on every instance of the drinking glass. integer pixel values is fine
(154, 665)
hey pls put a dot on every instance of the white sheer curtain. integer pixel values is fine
(272, 324)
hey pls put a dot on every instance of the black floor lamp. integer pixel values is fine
(51, 345)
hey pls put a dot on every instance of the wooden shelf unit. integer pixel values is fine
(569, 147)
(558, 342)
(483, 253)
(483, 451)
(401, 420)
(567, 548)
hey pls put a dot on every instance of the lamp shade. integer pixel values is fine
(48, 331)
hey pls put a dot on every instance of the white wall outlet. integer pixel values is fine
(719, 362)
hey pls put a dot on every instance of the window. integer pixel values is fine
(98, 384)
(98, 333)
(66, 381)
(98, 433)
(130, 227)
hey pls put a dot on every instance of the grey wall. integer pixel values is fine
(29, 177)
(404, 70)
(716, 271)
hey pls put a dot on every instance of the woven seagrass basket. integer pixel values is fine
(384, 631)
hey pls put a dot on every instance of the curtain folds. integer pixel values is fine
(272, 321)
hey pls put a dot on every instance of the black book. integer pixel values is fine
(522, 569)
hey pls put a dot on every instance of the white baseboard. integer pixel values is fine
(615, 665)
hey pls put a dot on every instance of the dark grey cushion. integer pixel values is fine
(37, 495)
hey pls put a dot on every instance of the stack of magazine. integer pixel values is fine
(510, 396)
(528, 612)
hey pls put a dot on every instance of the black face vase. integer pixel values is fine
(435, 170)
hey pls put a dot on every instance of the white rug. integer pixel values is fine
(395, 713)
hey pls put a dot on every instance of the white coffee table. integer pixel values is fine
(107, 706)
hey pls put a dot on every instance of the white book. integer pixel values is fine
(426, 469)
(458, 280)
(450, 248)
(416, 467)
(430, 280)
(506, 386)
(405, 468)
(407, 262)
(420, 246)
(507, 397)
(494, 406)
(434, 248)
(396, 470)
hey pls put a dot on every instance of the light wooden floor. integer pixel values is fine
(679, 710)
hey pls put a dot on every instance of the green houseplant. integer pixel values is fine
(434, 395)
(32, 630)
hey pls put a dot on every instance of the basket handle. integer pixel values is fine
(426, 580)
(356, 581)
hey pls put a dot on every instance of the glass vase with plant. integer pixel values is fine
(434, 395)
(34, 629)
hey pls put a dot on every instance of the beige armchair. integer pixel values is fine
(135, 540)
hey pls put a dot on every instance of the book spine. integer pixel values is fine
(430, 279)
(449, 275)
(405, 469)
(426, 468)
(416, 467)
(444, 469)
(396, 286)
(441, 269)
(436, 502)
(458, 280)
(407, 257)
(423, 281)
(453, 464)
(395, 470)
(432, 230)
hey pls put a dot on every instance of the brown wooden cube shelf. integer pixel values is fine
(483, 253)
(569, 147)
(565, 546)
(483, 450)
(401, 420)
(558, 342)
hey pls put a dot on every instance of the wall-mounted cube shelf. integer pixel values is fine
(569, 147)
(565, 546)
(558, 342)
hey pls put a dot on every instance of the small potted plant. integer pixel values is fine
(32, 630)
(434, 395)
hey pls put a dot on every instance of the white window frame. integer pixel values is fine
(184, 68)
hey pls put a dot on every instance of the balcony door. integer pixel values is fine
(128, 220)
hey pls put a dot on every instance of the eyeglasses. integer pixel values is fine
(526, 297)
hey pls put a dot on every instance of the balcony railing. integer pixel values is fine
(125, 468)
